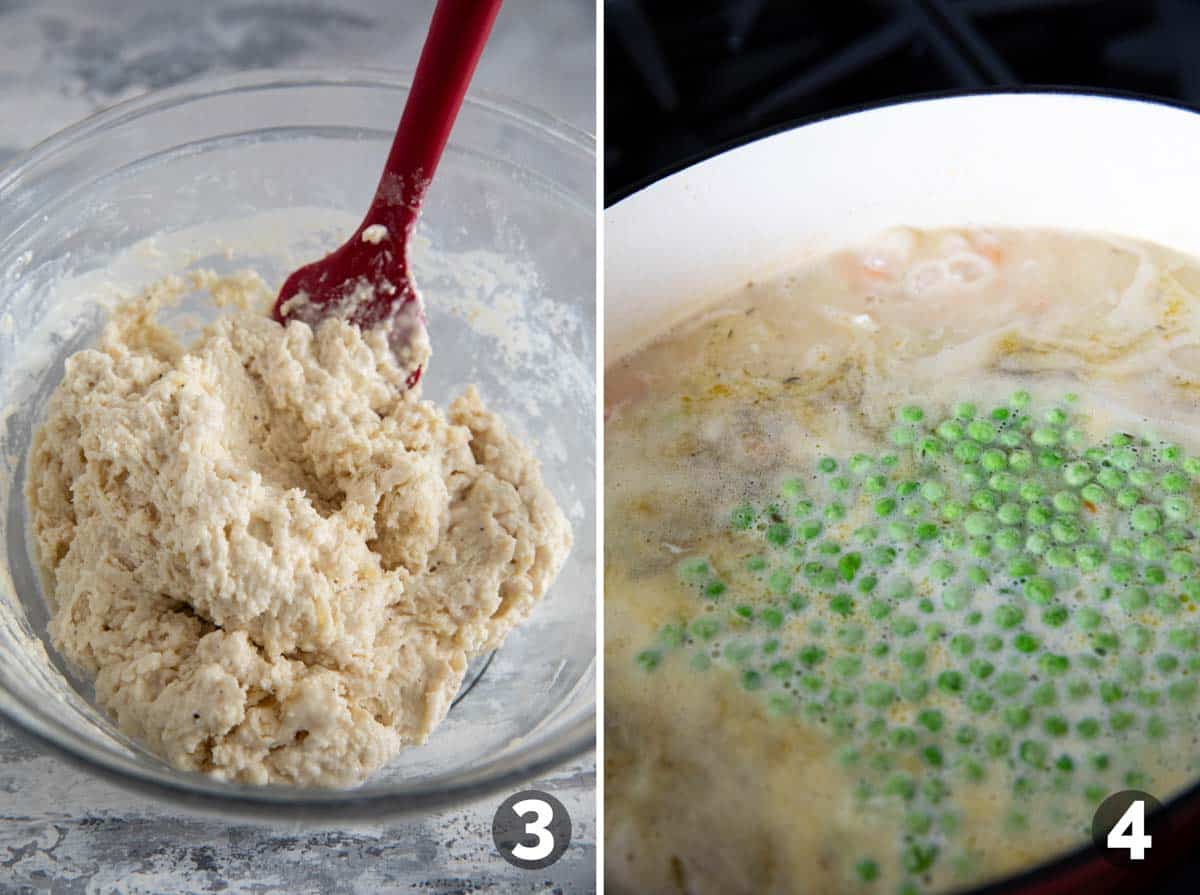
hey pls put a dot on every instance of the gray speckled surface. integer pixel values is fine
(62, 830)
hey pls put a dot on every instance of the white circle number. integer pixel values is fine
(1129, 832)
(539, 827)
(531, 829)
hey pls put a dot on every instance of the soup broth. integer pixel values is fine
(901, 564)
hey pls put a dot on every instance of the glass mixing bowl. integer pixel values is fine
(267, 171)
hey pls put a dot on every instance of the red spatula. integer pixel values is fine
(367, 281)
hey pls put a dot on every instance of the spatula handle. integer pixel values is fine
(452, 48)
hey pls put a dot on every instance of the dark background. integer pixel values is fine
(683, 79)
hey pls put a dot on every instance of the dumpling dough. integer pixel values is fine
(274, 558)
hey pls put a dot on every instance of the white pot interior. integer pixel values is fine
(1018, 160)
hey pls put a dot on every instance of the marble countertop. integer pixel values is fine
(61, 829)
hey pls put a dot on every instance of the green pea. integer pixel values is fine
(933, 492)
(1120, 721)
(1120, 571)
(1038, 515)
(929, 447)
(997, 745)
(1183, 638)
(926, 531)
(1007, 540)
(985, 500)
(1066, 502)
(950, 430)
(1065, 530)
(980, 701)
(860, 464)
(1089, 557)
(1004, 482)
(1123, 457)
(1146, 519)
(867, 870)
(1009, 683)
(1020, 460)
(1142, 478)
(1045, 437)
(649, 660)
(979, 524)
(966, 451)
(914, 689)
(941, 569)
(1032, 753)
(1015, 716)
(916, 556)
(878, 694)
(981, 668)
(993, 459)
(1054, 665)
(1055, 616)
(950, 681)
(1060, 557)
(1134, 599)
(1079, 689)
(882, 556)
(866, 533)
(1055, 726)
(1182, 690)
(930, 719)
(1077, 474)
(1025, 643)
(1008, 616)
(1039, 590)
(952, 510)
(1128, 497)
(956, 598)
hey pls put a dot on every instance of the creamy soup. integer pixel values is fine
(901, 565)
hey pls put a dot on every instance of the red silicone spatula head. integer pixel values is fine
(367, 281)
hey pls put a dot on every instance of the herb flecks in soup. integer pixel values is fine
(902, 566)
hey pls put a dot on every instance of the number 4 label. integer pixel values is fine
(1129, 832)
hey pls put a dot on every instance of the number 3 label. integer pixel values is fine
(539, 828)
(531, 829)
(1130, 832)
(1121, 827)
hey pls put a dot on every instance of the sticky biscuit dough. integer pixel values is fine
(275, 559)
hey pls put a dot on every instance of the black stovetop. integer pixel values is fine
(683, 79)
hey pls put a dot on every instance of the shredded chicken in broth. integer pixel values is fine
(901, 565)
